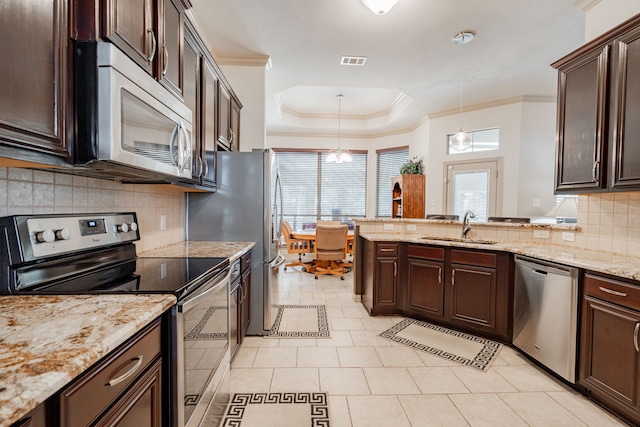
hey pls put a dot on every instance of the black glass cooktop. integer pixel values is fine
(137, 275)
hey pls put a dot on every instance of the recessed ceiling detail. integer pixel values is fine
(353, 60)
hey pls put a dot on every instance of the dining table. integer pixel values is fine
(310, 235)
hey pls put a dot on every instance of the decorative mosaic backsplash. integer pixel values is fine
(26, 191)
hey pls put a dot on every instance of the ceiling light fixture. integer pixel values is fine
(339, 155)
(379, 7)
(461, 140)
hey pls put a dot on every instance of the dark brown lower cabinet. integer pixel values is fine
(124, 389)
(425, 281)
(464, 288)
(610, 352)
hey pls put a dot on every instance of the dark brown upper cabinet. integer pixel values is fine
(598, 99)
(151, 34)
(34, 89)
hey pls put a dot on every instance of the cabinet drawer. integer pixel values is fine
(615, 291)
(97, 388)
(427, 252)
(387, 250)
(246, 261)
(484, 259)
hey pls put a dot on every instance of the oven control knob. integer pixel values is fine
(133, 226)
(63, 234)
(45, 236)
(123, 228)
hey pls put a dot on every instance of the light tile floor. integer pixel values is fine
(372, 381)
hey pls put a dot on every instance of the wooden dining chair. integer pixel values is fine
(330, 250)
(295, 246)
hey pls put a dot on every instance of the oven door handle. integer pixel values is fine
(188, 302)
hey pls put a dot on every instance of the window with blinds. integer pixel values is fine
(388, 165)
(313, 189)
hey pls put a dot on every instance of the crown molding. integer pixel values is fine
(494, 103)
(585, 5)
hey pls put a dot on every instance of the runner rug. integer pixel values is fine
(301, 321)
(278, 410)
(459, 347)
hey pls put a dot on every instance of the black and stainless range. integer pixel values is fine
(95, 253)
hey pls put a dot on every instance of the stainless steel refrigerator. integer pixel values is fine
(246, 207)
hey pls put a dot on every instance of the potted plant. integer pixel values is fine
(412, 167)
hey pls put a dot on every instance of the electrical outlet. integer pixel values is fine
(411, 227)
(433, 202)
(541, 234)
(163, 222)
(536, 202)
(388, 226)
(569, 237)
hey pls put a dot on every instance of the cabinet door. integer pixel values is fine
(386, 294)
(425, 293)
(224, 115)
(582, 123)
(234, 124)
(170, 59)
(141, 406)
(472, 296)
(191, 95)
(245, 308)
(234, 316)
(209, 130)
(610, 361)
(34, 83)
(626, 110)
(129, 24)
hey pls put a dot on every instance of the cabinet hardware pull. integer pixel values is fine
(596, 167)
(386, 250)
(154, 44)
(127, 374)
(440, 275)
(453, 278)
(635, 337)
(612, 292)
(395, 268)
(205, 168)
(166, 60)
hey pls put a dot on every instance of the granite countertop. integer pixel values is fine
(46, 341)
(205, 249)
(603, 262)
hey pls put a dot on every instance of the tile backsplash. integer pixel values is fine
(26, 191)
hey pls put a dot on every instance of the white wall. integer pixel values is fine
(248, 83)
(607, 14)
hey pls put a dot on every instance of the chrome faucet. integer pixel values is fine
(465, 223)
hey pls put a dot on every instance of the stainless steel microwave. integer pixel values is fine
(127, 125)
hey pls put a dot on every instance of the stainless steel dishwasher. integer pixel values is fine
(545, 314)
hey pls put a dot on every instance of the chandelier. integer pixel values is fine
(339, 154)
(379, 7)
(461, 140)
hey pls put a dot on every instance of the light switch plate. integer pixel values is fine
(541, 234)
(411, 227)
(163, 222)
(570, 237)
(388, 226)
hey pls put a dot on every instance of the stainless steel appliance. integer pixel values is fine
(95, 253)
(246, 207)
(545, 314)
(128, 124)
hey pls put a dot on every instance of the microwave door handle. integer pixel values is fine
(186, 148)
(172, 144)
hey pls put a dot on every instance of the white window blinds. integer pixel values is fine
(313, 189)
(388, 166)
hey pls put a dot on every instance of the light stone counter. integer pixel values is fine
(603, 262)
(47, 341)
(206, 249)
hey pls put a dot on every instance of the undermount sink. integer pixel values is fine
(457, 239)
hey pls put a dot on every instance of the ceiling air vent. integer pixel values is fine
(353, 60)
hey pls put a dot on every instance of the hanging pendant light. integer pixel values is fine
(339, 154)
(379, 7)
(461, 140)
